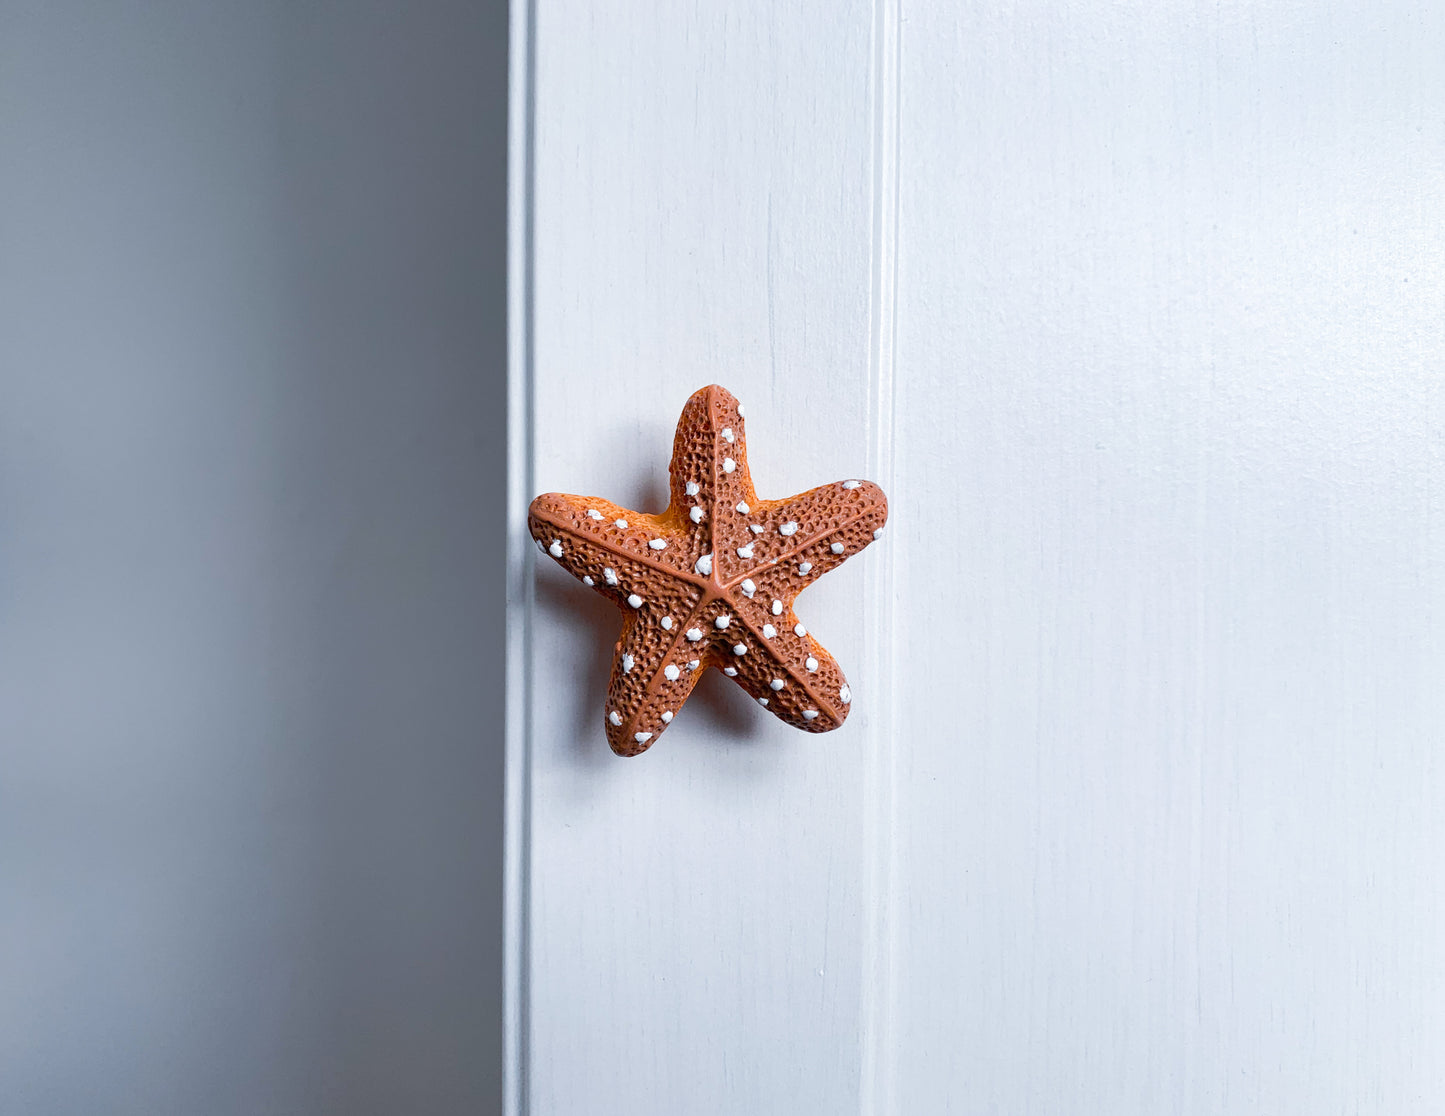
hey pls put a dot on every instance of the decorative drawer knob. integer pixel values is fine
(711, 581)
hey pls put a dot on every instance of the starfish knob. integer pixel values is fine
(711, 581)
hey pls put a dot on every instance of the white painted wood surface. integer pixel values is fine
(1138, 312)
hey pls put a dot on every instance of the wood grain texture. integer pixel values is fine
(1139, 810)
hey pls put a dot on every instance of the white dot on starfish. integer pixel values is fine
(695, 514)
(693, 664)
(657, 544)
(723, 621)
(755, 528)
(671, 673)
(749, 588)
(667, 716)
(731, 672)
(692, 488)
(615, 717)
(541, 545)
(777, 608)
(769, 631)
(743, 509)
(878, 534)
(741, 412)
(846, 694)
(762, 701)
(593, 513)
(587, 580)
(609, 575)
(805, 568)
(635, 601)
(836, 548)
(799, 630)
(694, 634)
(729, 464)
(811, 663)
(667, 623)
(740, 649)
(851, 484)
(626, 663)
(788, 528)
(727, 433)
(704, 565)
(745, 551)
(810, 714)
(555, 550)
(776, 683)
(642, 737)
(622, 523)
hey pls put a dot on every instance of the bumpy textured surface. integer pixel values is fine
(711, 581)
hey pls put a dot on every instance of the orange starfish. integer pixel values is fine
(711, 581)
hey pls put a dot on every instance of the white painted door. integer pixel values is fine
(1137, 312)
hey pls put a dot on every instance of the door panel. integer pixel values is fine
(1171, 347)
(701, 216)
(1138, 313)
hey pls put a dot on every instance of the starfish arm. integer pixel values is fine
(653, 673)
(709, 471)
(708, 432)
(796, 680)
(805, 536)
(583, 535)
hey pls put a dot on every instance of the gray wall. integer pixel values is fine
(251, 550)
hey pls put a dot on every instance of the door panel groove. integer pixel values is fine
(880, 622)
(521, 610)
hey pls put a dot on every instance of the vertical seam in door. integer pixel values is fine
(521, 418)
(880, 849)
